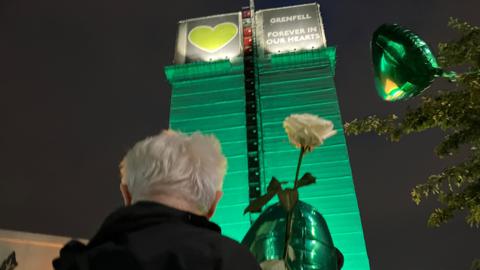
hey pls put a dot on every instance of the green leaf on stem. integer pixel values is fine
(256, 205)
(307, 179)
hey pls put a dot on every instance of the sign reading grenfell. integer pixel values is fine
(209, 39)
(289, 29)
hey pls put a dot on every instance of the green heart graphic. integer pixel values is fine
(212, 39)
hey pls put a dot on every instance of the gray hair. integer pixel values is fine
(174, 164)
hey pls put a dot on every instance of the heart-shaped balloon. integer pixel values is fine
(403, 63)
(311, 243)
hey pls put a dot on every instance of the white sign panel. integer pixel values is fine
(209, 38)
(287, 29)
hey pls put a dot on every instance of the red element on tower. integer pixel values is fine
(247, 41)
(246, 13)
(247, 31)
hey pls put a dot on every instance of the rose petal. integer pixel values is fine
(307, 130)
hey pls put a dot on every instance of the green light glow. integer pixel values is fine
(210, 97)
(303, 82)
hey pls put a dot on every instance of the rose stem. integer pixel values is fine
(289, 223)
(302, 152)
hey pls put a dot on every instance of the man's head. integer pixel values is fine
(185, 172)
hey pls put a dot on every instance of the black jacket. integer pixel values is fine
(150, 236)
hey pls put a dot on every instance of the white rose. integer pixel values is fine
(307, 130)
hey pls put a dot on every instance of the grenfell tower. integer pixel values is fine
(237, 76)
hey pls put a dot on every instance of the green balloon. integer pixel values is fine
(311, 240)
(403, 63)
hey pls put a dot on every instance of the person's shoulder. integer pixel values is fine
(237, 256)
(75, 255)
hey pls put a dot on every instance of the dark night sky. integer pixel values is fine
(81, 81)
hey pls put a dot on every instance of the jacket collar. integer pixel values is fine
(144, 214)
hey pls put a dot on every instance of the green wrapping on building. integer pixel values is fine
(210, 97)
(303, 82)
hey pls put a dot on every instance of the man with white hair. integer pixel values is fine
(171, 184)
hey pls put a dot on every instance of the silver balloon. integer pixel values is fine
(310, 240)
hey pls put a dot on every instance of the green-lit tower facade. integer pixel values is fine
(238, 76)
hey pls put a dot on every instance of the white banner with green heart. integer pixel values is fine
(210, 38)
